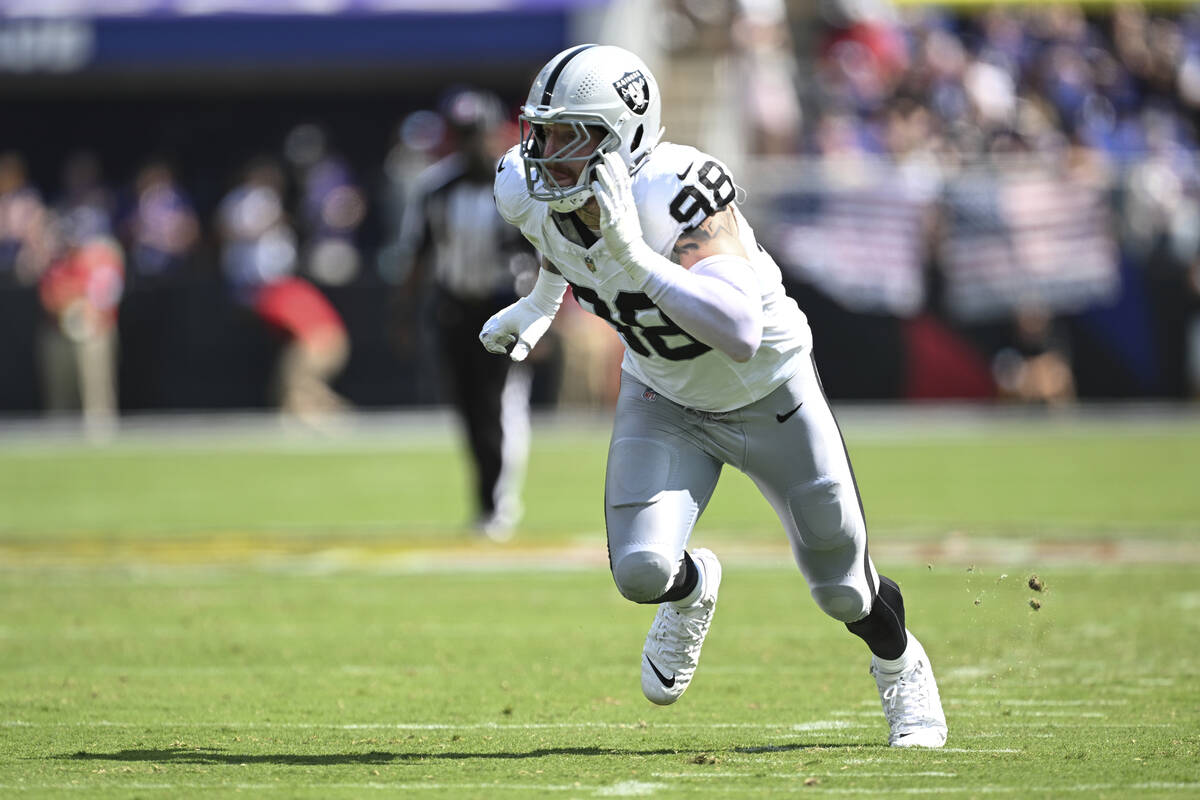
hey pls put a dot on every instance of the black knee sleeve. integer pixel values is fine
(883, 628)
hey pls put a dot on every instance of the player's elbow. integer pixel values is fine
(742, 355)
(743, 348)
(745, 335)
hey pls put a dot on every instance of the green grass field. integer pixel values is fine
(309, 618)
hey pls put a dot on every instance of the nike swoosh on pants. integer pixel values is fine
(785, 417)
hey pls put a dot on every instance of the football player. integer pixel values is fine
(717, 370)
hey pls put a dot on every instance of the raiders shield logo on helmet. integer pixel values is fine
(634, 90)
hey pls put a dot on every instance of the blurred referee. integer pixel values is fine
(471, 263)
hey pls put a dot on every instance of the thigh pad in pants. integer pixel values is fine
(826, 514)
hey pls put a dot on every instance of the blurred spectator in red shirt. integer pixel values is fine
(864, 54)
(80, 291)
(259, 256)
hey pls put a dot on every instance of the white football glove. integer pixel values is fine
(516, 329)
(619, 223)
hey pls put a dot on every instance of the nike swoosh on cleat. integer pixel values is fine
(683, 174)
(784, 417)
(667, 682)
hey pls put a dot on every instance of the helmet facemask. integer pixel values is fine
(540, 181)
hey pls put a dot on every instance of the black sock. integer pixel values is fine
(685, 581)
(883, 628)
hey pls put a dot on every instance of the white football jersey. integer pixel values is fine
(675, 188)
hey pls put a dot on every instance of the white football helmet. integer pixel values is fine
(596, 86)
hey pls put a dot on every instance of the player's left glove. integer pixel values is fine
(619, 223)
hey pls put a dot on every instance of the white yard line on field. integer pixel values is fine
(828, 725)
(630, 789)
(1025, 713)
(988, 714)
(801, 775)
(1006, 734)
(815, 726)
(348, 551)
(292, 788)
(1017, 701)
(1048, 791)
(624, 789)
(422, 726)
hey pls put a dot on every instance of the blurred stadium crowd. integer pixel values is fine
(999, 202)
(1008, 79)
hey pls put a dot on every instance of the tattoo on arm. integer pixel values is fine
(716, 234)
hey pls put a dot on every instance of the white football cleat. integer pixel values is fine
(911, 702)
(673, 644)
(501, 524)
(496, 527)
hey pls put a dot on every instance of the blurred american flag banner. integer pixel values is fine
(863, 230)
(854, 228)
(1026, 234)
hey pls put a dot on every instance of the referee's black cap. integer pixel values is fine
(469, 110)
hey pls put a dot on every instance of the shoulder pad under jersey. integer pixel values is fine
(677, 188)
(512, 196)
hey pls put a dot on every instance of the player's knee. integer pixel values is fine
(843, 603)
(643, 575)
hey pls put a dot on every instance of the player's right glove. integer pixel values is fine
(516, 329)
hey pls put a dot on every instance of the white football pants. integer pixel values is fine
(663, 464)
